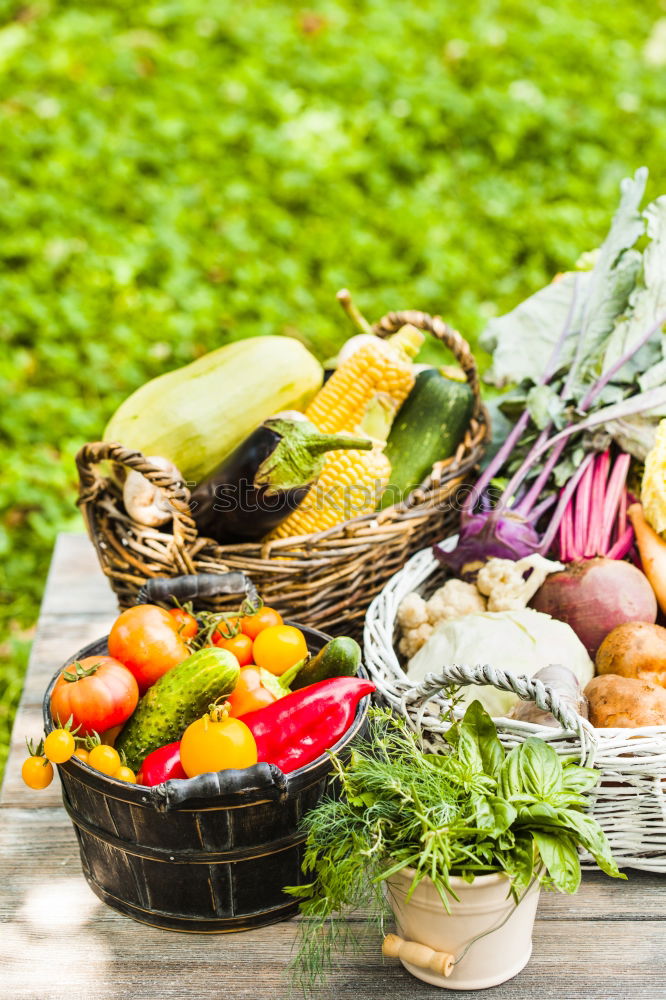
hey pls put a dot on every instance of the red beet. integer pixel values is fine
(594, 596)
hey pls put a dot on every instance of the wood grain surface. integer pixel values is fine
(59, 942)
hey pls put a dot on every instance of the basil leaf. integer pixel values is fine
(493, 815)
(579, 779)
(593, 839)
(540, 769)
(509, 777)
(475, 740)
(520, 862)
(559, 855)
(541, 813)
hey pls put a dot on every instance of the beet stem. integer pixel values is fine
(614, 491)
(565, 496)
(622, 545)
(501, 456)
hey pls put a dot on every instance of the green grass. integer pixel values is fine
(177, 174)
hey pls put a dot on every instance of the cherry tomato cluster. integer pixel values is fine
(99, 693)
(60, 745)
(263, 645)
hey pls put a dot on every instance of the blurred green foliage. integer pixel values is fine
(176, 174)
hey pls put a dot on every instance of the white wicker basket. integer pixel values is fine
(629, 803)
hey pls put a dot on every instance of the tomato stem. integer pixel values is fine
(81, 671)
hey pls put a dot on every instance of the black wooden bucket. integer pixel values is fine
(207, 855)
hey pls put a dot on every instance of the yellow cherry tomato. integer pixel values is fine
(125, 774)
(37, 772)
(104, 759)
(216, 742)
(59, 746)
(279, 647)
(81, 754)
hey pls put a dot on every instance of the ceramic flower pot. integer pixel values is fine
(434, 945)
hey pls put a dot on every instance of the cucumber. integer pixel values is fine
(428, 428)
(340, 657)
(175, 700)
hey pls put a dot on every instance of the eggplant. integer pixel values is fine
(265, 479)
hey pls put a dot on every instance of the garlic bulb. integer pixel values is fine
(145, 502)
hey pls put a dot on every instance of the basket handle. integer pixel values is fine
(176, 492)
(159, 589)
(435, 325)
(546, 698)
(247, 782)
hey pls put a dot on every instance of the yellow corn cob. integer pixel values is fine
(381, 367)
(350, 484)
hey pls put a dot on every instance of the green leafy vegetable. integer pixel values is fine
(471, 810)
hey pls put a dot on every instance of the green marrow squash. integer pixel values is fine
(197, 415)
(340, 657)
(428, 428)
(175, 700)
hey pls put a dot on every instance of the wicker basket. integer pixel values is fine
(325, 579)
(629, 803)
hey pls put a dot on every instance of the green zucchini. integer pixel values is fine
(175, 700)
(340, 657)
(195, 416)
(428, 428)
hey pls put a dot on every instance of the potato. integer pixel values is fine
(634, 649)
(625, 702)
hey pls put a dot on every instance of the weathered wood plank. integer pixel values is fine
(85, 956)
(75, 580)
(58, 639)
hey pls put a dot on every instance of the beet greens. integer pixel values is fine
(588, 358)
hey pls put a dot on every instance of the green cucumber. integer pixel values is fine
(340, 657)
(175, 700)
(428, 428)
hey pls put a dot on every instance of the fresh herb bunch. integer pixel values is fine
(472, 810)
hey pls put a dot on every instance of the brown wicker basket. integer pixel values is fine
(327, 579)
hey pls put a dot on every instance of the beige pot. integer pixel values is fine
(483, 905)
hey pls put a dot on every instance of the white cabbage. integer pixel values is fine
(520, 642)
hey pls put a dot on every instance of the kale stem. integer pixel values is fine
(601, 384)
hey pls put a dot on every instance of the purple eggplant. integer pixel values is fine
(265, 479)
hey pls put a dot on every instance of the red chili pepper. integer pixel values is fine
(295, 730)
(162, 764)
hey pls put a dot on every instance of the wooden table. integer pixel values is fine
(60, 942)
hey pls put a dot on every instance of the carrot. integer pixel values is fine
(652, 550)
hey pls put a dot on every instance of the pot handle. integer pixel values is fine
(159, 589)
(246, 783)
(546, 698)
(418, 954)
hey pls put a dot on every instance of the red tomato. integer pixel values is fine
(240, 646)
(279, 647)
(252, 625)
(186, 624)
(249, 693)
(146, 640)
(103, 695)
